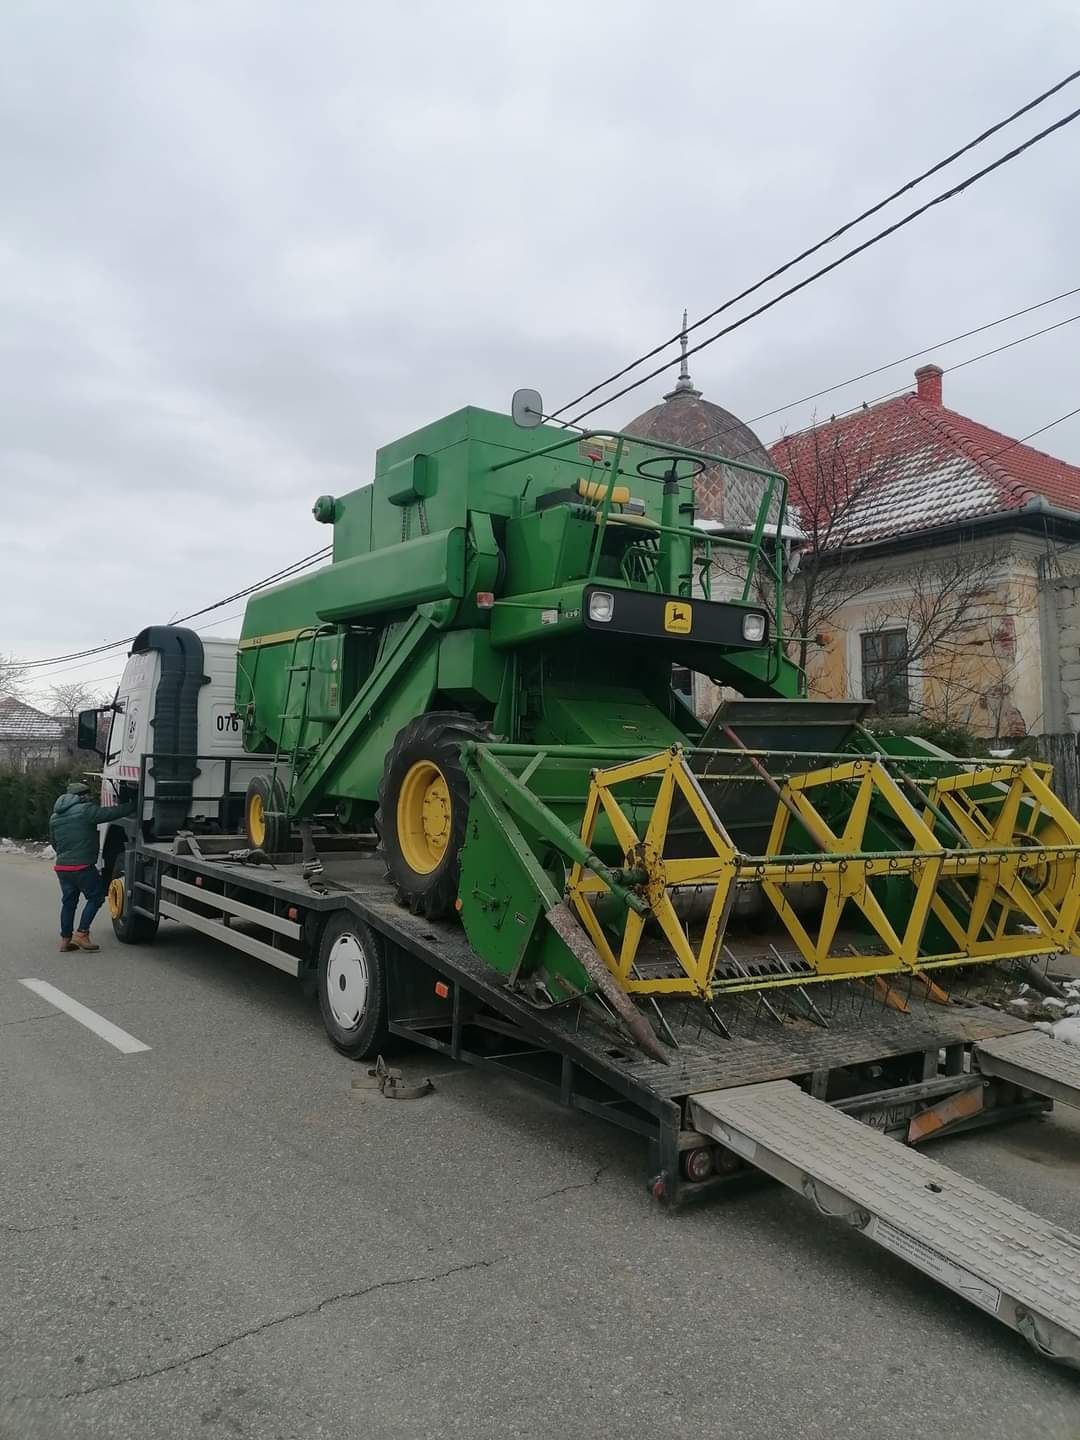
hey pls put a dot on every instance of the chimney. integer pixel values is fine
(928, 380)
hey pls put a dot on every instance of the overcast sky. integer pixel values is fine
(242, 245)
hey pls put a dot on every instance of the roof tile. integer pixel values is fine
(917, 465)
(23, 722)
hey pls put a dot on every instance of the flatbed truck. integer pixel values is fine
(816, 1096)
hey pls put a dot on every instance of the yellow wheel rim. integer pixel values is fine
(115, 897)
(1053, 878)
(256, 821)
(423, 817)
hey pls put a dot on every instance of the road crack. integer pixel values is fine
(594, 1179)
(336, 1299)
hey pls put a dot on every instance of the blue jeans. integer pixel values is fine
(73, 883)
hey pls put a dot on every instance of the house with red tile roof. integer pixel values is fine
(945, 557)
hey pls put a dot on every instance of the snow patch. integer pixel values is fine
(1067, 1029)
(34, 848)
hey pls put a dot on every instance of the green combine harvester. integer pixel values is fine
(484, 675)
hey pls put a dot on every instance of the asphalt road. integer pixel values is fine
(219, 1236)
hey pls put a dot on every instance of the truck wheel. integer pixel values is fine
(352, 987)
(423, 806)
(265, 822)
(129, 928)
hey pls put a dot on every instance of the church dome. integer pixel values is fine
(685, 418)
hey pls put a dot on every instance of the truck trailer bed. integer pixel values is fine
(897, 1060)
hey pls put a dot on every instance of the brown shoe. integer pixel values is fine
(81, 941)
(66, 945)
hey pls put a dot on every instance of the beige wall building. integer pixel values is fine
(941, 571)
(939, 560)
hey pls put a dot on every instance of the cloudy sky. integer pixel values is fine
(242, 245)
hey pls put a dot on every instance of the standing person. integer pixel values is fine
(73, 832)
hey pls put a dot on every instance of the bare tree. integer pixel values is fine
(832, 489)
(66, 700)
(12, 677)
(958, 641)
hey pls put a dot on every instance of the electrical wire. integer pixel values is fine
(1032, 433)
(849, 225)
(947, 370)
(104, 679)
(96, 680)
(926, 350)
(901, 389)
(289, 570)
(939, 199)
(285, 573)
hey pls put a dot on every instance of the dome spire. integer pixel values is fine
(684, 385)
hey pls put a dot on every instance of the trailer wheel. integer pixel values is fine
(265, 822)
(352, 987)
(129, 928)
(423, 806)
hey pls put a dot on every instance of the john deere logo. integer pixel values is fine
(678, 617)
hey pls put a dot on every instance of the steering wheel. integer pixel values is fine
(672, 472)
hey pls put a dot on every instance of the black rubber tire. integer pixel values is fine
(369, 1033)
(437, 736)
(271, 792)
(129, 928)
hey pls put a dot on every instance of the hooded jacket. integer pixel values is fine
(73, 829)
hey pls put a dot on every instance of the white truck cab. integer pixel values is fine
(174, 718)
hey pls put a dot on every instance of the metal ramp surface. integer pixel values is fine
(1034, 1060)
(1001, 1257)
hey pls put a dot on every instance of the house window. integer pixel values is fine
(885, 670)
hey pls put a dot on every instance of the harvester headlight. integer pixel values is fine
(601, 606)
(753, 627)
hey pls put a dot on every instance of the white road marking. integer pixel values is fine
(90, 1018)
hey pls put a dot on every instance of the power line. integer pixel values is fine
(289, 570)
(926, 350)
(106, 679)
(737, 424)
(939, 199)
(813, 249)
(951, 369)
(283, 574)
(1032, 433)
(89, 664)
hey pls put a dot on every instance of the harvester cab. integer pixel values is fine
(484, 673)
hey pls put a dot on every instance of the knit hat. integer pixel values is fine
(78, 787)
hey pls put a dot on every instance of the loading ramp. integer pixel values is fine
(1035, 1061)
(1010, 1262)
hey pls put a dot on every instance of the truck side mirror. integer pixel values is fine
(86, 733)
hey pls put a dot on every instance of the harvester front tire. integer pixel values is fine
(423, 807)
(265, 823)
(129, 928)
(352, 988)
